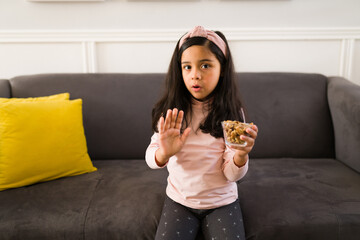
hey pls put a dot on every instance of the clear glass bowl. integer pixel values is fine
(233, 130)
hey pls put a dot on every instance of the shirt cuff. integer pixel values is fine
(234, 173)
(150, 159)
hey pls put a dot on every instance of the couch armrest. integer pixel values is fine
(5, 91)
(344, 103)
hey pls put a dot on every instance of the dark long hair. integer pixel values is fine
(225, 103)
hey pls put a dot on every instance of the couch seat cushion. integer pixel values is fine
(122, 200)
(128, 201)
(49, 210)
(300, 199)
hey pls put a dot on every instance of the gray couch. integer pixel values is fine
(304, 175)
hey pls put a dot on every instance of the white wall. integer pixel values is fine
(320, 36)
(178, 14)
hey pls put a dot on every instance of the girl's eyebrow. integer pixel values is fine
(206, 60)
(202, 60)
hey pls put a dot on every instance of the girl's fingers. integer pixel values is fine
(185, 134)
(252, 131)
(167, 120)
(173, 119)
(255, 128)
(161, 125)
(179, 120)
(250, 141)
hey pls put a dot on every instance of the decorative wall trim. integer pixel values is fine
(89, 38)
(168, 35)
(346, 57)
(292, 34)
(65, 0)
(89, 57)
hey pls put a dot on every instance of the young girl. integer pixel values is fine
(188, 139)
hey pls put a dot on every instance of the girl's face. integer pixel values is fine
(201, 71)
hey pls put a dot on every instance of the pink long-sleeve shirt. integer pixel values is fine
(202, 175)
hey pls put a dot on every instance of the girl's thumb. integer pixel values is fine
(185, 134)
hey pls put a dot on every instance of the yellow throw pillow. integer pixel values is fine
(41, 141)
(60, 96)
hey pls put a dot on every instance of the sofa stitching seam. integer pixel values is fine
(88, 208)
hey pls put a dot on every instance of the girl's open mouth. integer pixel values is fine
(196, 88)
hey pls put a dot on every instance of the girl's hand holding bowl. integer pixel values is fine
(241, 138)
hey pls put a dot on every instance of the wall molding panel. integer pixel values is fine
(347, 56)
(96, 51)
(173, 35)
(89, 57)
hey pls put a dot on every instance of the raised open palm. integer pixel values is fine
(170, 138)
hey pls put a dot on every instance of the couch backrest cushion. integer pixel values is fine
(290, 109)
(5, 88)
(116, 107)
(292, 112)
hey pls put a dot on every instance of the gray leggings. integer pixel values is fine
(180, 222)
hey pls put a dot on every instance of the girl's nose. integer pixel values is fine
(196, 74)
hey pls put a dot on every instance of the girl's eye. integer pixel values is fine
(187, 67)
(205, 66)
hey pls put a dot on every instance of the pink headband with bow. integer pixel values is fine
(200, 31)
